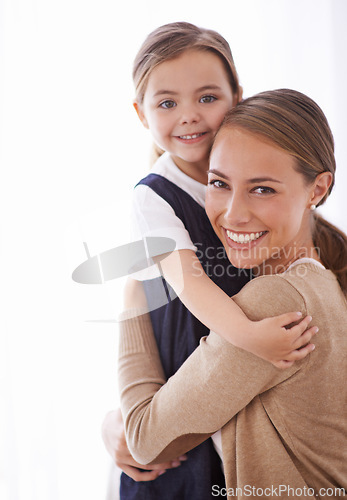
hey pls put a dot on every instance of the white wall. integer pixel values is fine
(72, 149)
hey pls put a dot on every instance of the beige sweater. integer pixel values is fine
(280, 429)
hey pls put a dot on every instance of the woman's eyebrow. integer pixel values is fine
(263, 179)
(217, 172)
(254, 180)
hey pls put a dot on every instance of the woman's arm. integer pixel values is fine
(164, 420)
(115, 443)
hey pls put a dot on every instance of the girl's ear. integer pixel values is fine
(140, 114)
(238, 97)
(320, 187)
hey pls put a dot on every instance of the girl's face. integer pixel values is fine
(258, 203)
(185, 101)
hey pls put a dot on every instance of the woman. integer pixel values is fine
(271, 165)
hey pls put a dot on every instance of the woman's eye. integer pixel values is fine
(263, 190)
(168, 104)
(217, 183)
(207, 99)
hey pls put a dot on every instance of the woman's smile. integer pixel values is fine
(243, 240)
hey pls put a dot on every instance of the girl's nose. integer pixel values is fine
(190, 114)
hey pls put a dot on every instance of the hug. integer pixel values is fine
(271, 165)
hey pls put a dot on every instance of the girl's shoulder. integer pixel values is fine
(165, 173)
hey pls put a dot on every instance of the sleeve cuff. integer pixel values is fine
(136, 333)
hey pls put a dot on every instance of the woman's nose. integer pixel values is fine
(237, 211)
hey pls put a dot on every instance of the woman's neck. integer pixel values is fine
(281, 262)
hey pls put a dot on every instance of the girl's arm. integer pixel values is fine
(269, 339)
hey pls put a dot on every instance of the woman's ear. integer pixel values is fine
(140, 114)
(321, 186)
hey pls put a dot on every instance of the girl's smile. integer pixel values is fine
(185, 102)
(192, 138)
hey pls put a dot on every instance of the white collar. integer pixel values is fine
(305, 260)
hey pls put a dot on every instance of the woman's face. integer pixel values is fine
(258, 203)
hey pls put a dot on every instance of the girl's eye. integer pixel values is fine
(217, 183)
(263, 190)
(168, 104)
(206, 99)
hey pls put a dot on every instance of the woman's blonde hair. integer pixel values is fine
(297, 125)
(170, 41)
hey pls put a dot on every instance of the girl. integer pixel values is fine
(283, 432)
(186, 82)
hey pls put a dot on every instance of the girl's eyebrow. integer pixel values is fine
(200, 89)
(255, 180)
(212, 86)
(165, 92)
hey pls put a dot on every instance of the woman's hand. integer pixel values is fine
(114, 439)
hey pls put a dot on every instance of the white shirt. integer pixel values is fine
(153, 216)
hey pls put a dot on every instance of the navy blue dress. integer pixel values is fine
(178, 333)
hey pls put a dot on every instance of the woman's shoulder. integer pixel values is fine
(293, 290)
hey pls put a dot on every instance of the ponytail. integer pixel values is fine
(331, 243)
(155, 153)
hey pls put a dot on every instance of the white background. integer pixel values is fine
(71, 150)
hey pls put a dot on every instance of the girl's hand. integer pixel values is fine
(114, 439)
(275, 340)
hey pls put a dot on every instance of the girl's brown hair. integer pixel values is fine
(296, 124)
(171, 40)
